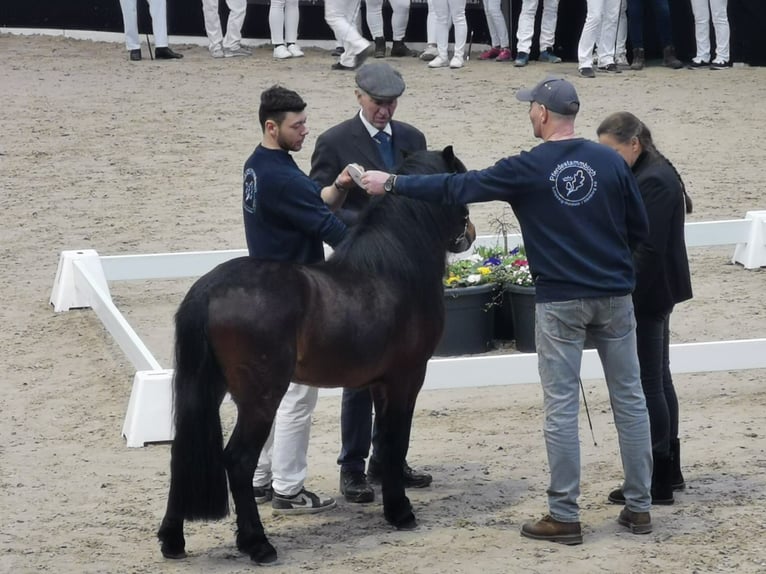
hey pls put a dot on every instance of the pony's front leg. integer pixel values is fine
(393, 416)
(171, 532)
(242, 454)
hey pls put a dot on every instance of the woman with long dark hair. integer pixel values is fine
(662, 280)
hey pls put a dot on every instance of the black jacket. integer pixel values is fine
(662, 266)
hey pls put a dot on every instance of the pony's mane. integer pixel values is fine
(397, 236)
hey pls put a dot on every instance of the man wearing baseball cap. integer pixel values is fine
(374, 140)
(581, 216)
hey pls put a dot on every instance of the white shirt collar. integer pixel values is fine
(371, 128)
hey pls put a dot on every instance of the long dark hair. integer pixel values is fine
(624, 126)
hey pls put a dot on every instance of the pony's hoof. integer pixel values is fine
(411, 524)
(172, 553)
(263, 553)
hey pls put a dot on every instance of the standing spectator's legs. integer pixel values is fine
(635, 23)
(375, 18)
(620, 51)
(341, 16)
(130, 21)
(442, 17)
(701, 11)
(526, 26)
(548, 24)
(560, 336)
(590, 33)
(277, 21)
(355, 429)
(607, 39)
(430, 52)
(721, 27)
(498, 33)
(237, 11)
(661, 12)
(158, 10)
(292, 19)
(399, 18)
(457, 15)
(613, 330)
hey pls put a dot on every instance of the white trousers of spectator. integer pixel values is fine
(233, 38)
(158, 11)
(526, 28)
(449, 13)
(498, 30)
(284, 17)
(703, 10)
(431, 24)
(600, 27)
(283, 460)
(400, 16)
(341, 16)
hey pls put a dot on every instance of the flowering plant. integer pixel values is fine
(490, 265)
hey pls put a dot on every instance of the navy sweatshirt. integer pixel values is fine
(285, 217)
(579, 207)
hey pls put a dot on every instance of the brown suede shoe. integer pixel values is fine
(638, 522)
(548, 528)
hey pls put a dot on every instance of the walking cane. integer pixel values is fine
(148, 43)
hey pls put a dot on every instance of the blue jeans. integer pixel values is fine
(661, 12)
(561, 328)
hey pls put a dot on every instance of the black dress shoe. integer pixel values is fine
(135, 55)
(354, 486)
(166, 54)
(339, 66)
(412, 478)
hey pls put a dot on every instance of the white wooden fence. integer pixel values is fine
(82, 280)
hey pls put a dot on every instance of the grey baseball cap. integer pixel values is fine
(556, 94)
(380, 81)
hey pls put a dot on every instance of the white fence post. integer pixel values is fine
(753, 253)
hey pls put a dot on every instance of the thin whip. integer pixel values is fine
(587, 412)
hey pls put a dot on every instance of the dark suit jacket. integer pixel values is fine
(662, 266)
(350, 142)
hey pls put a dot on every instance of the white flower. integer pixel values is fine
(475, 278)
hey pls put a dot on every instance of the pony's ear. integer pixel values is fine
(453, 163)
(449, 155)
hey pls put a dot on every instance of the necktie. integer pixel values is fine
(385, 148)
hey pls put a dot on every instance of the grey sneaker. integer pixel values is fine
(263, 493)
(304, 502)
(237, 52)
(638, 522)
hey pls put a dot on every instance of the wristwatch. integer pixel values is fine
(390, 184)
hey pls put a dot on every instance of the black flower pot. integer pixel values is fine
(523, 304)
(469, 316)
(504, 316)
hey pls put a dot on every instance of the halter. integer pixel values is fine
(463, 234)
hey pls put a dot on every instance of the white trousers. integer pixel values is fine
(283, 460)
(158, 10)
(620, 55)
(703, 10)
(237, 9)
(498, 31)
(284, 17)
(341, 16)
(450, 13)
(400, 16)
(526, 28)
(600, 27)
(431, 24)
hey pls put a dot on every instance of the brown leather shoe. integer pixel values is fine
(638, 522)
(548, 528)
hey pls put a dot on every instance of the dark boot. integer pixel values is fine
(669, 59)
(662, 489)
(380, 47)
(638, 59)
(400, 50)
(677, 477)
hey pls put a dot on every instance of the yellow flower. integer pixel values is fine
(484, 270)
(452, 279)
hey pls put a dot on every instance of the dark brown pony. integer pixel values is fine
(371, 315)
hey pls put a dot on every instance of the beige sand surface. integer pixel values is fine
(120, 157)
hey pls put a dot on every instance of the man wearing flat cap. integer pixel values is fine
(372, 139)
(581, 216)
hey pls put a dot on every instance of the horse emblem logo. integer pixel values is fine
(574, 182)
(250, 190)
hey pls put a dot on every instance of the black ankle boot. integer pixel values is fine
(669, 59)
(662, 489)
(380, 47)
(638, 59)
(677, 477)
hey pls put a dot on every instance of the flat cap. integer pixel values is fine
(556, 94)
(380, 81)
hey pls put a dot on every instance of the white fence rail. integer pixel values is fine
(82, 281)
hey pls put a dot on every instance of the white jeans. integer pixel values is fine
(284, 17)
(498, 31)
(431, 24)
(526, 27)
(702, 10)
(400, 16)
(237, 9)
(158, 11)
(600, 27)
(449, 13)
(341, 16)
(283, 458)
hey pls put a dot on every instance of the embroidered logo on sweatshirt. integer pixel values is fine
(250, 190)
(574, 182)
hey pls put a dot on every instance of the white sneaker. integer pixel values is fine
(236, 52)
(282, 53)
(429, 53)
(438, 62)
(217, 52)
(456, 62)
(295, 51)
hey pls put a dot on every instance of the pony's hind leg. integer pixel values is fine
(171, 532)
(242, 452)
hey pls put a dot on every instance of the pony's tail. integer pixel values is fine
(198, 472)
